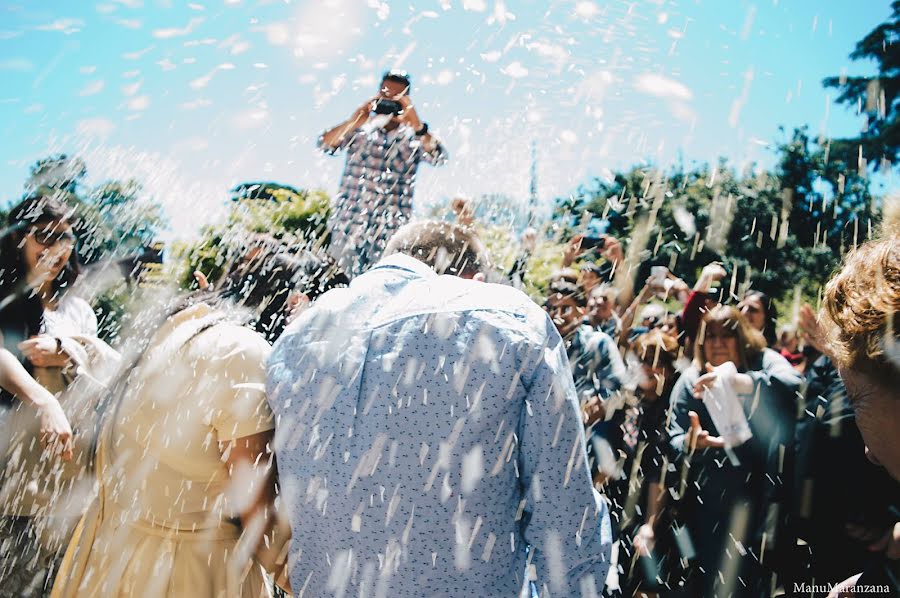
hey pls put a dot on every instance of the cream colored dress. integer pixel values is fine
(164, 522)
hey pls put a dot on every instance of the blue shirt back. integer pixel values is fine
(428, 431)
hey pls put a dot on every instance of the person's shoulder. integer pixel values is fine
(688, 376)
(78, 305)
(81, 311)
(770, 357)
(477, 295)
(227, 340)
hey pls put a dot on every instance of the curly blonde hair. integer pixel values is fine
(862, 302)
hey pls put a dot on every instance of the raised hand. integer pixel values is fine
(42, 351)
(698, 438)
(56, 433)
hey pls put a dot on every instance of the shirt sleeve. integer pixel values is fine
(565, 521)
(613, 373)
(348, 140)
(87, 319)
(436, 156)
(242, 409)
(778, 375)
(682, 402)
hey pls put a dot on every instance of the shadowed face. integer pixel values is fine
(600, 306)
(46, 249)
(565, 312)
(393, 90)
(877, 409)
(720, 344)
(754, 311)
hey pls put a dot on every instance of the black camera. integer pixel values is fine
(388, 107)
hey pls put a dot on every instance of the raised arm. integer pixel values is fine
(565, 521)
(55, 429)
(337, 137)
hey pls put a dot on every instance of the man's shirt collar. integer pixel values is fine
(400, 261)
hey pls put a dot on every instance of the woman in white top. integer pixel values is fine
(40, 321)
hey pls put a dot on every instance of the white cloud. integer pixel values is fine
(92, 88)
(475, 5)
(663, 87)
(500, 14)
(195, 104)
(132, 88)
(235, 45)
(130, 23)
(492, 56)
(250, 119)
(176, 32)
(278, 34)
(568, 136)
(138, 54)
(382, 9)
(95, 127)
(201, 82)
(515, 70)
(586, 10)
(553, 52)
(166, 65)
(67, 26)
(593, 87)
(445, 77)
(139, 103)
(16, 64)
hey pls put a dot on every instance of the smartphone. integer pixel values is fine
(384, 106)
(595, 234)
(593, 243)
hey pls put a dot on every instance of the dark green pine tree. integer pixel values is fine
(875, 96)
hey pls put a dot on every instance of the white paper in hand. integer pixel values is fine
(724, 407)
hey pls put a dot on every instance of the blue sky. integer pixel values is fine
(193, 98)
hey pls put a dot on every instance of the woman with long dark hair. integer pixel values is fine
(759, 310)
(735, 480)
(40, 320)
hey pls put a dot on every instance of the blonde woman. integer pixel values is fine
(186, 484)
(732, 506)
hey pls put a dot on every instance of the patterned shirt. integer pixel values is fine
(427, 433)
(375, 196)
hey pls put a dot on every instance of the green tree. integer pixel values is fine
(875, 96)
(294, 216)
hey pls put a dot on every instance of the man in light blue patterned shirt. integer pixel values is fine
(429, 440)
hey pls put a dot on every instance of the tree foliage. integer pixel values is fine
(773, 230)
(294, 216)
(876, 97)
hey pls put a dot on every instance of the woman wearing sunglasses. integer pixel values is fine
(40, 497)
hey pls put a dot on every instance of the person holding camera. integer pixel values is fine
(385, 139)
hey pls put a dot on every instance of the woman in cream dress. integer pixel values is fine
(184, 470)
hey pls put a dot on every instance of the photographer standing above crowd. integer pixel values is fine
(385, 140)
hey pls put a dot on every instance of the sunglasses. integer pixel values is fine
(49, 238)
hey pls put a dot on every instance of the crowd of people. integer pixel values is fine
(380, 420)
